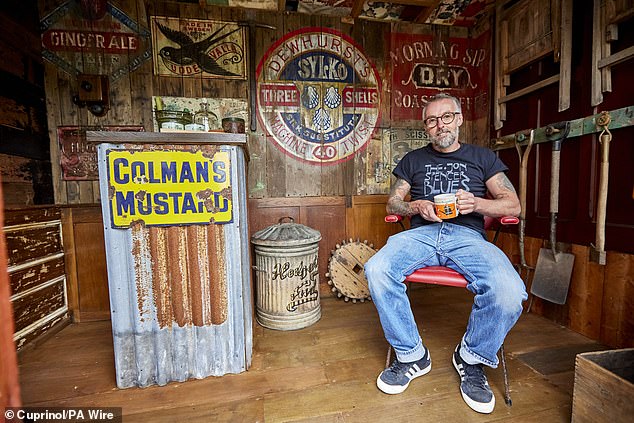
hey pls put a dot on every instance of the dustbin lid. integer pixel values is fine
(286, 233)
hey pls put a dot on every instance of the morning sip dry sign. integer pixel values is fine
(169, 187)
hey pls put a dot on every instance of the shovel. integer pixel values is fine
(554, 269)
(523, 156)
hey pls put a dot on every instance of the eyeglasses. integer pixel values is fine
(446, 118)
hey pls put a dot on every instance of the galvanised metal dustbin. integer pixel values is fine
(287, 281)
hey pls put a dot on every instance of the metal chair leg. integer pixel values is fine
(507, 389)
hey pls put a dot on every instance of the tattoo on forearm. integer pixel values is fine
(400, 188)
(396, 203)
(504, 183)
(401, 208)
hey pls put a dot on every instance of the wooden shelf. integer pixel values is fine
(176, 137)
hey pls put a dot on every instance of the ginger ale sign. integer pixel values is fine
(169, 187)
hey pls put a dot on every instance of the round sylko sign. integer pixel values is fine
(318, 96)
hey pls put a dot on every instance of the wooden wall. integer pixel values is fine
(24, 146)
(338, 219)
(600, 302)
(347, 200)
(272, 174)
(85, 261)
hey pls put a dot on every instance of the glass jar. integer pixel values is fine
(204, 119)
(173, 119)
(233, 124)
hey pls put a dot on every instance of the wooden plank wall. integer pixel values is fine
(272, 174)
(85, 263)
(336, 218)
(600, 302)
(24, 151)
(333, 199)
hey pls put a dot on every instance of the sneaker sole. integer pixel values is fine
(480, 407)
(397, 389)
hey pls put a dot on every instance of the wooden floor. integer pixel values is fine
(324, 373)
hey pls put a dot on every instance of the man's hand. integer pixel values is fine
(465, 201)
(426, 209)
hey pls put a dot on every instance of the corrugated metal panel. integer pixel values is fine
(180, 295)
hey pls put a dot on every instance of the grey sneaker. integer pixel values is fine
(396, 378)
(473, 384)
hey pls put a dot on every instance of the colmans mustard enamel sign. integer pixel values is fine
(169, 187)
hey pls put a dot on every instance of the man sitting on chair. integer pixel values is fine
(469, 171)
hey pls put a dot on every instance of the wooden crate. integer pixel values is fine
(604, 387)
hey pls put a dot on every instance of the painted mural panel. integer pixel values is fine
(202, 48)
(423, 67)
(318, 96)
(94, 38)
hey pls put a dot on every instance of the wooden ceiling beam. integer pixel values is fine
(426, 12)
(357, 7)
(421, 3)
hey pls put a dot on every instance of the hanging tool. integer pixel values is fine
(598, 252)
(554, 269)
(523, 155)
(252, 76)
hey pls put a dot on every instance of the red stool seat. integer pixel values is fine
(438, 275)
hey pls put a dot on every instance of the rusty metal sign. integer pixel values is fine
(318, 96)
(169, 187)
(77, 157)
(80, 37)
(201, 48)
(423, 67)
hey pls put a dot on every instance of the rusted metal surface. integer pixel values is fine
(180, 294)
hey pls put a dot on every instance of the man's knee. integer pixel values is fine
(377, 272)
(372, 269)
(510, 300)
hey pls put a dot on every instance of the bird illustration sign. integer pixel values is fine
(201, 48)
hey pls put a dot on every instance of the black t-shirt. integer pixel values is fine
(430, 173)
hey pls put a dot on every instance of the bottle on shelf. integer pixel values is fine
(204, 119)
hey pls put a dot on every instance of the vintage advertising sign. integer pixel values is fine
(423, 67)
(202, 48)
(318, 96)
(168, 187)
(94, 38)
(77, 157)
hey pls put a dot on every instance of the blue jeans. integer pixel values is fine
(498, 289)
